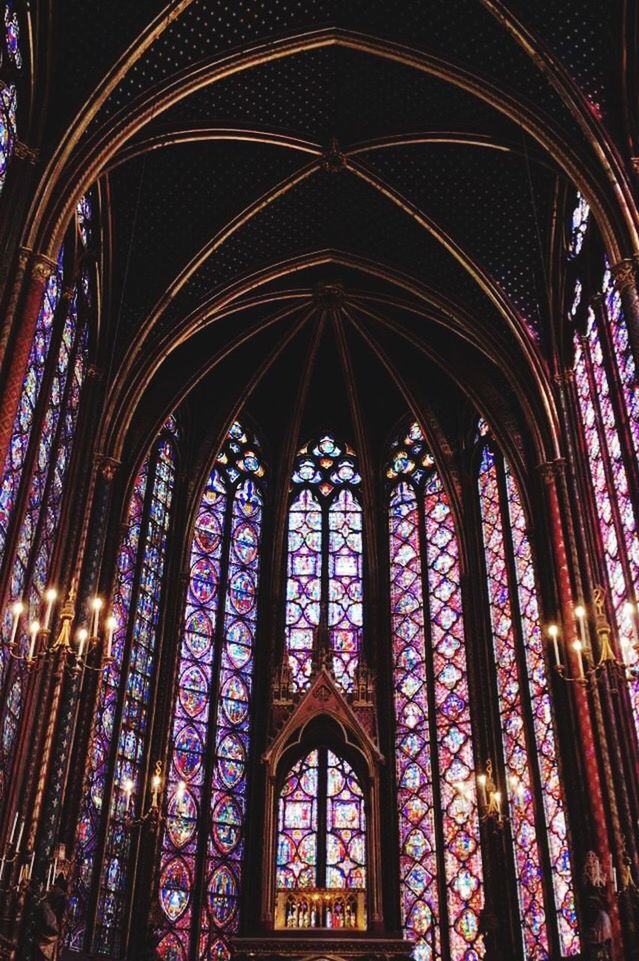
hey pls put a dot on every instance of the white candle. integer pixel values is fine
(481, 780)
(553, 631)
(128, 791)
(497, 797)
(17, 610)
(13, 829)
(2, 860)
(580, 614)
(156, 783)
(112, 625)
(35, 630)
(578, 647)
(31, 863)
(97, 607)
(82, 637)
(20, 833)
(50, 597)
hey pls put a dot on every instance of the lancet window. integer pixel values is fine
(324, 560)
(440, 857)
(210, 732)
(321, 841)
(605, 381)
(116, 766)
(34, 477)
(533, 793)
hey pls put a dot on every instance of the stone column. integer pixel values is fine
(18, 357)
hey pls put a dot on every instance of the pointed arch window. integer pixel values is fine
(35, 474)
(533, 788)
(324, 569)
(441, 872)
(321, 841)
(116, 763)
(211, 729)
(608, 403)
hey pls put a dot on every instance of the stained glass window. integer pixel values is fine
(12, 34)
(321, 841)
(324, 560)
(603, 358)
(207, 778)
(8, 134)
(84, 213)
(431, 687)
(119, 736)
(514, 616)
(36, 536)
(578, 226)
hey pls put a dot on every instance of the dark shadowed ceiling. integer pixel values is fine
(329, 212)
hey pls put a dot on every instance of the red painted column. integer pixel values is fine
(18, 357)
(586, 732)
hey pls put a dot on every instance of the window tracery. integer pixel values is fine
(514, 614)
(324, 560)
(439, 836)
(207, 779)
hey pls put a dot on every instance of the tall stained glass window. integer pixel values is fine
(116, 765)
(529, 751)
(210, 734)
(321, 841)
(33, 480)
(608, 399)
(10, 64)
(324, 560)
(438, 817)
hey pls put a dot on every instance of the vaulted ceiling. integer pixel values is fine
(328, 212)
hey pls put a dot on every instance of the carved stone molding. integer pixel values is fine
(624, 273)
(42, 267)
(108, 467)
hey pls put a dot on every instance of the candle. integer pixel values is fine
(31, 863)
(112, 625)
(580, 614)
(96, 604)
(553, 631)
(50, 595)
(128, 791)
(20, 833)
(82, 637)
(497, 797)
(13, 829)
(35, 630)
(16, 610)
(2, 860)
(578, 647)
(156, 783)
(481, 780)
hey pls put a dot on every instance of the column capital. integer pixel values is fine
(551, 469)
(23, 152)
(42, 267)
(624, 273)
(108, 467)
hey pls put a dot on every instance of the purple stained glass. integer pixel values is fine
(520, 768)
(84, 214)
(615, 513)
(36, 538)
(217, 641)
(324, 560)
(425, 577)
(130, 740)
(578, 226)
(555, 818)
(8, 129)
(12, 34)
(304, 805)
(516, 759)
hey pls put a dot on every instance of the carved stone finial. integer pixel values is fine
(601, 623)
